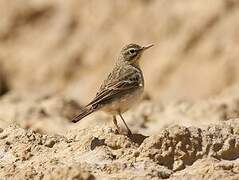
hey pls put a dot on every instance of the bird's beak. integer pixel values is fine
(147, 47)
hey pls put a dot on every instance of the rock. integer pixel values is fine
(176, 149)
(69, 172)
(209, 168)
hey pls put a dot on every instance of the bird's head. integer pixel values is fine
(131, 53)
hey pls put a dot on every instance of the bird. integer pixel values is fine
(123, 87)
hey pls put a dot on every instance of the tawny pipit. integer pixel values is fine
(122, 88)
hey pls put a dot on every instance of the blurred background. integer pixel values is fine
(54, 55)
(68, 47)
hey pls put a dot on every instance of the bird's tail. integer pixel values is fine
(83, 114)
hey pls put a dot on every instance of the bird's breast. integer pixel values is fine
(125, 102)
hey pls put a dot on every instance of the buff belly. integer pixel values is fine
(123, 103)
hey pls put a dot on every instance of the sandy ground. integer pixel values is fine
(54, 55)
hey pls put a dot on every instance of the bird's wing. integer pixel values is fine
(119, 87)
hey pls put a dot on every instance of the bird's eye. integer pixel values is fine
(132, 51)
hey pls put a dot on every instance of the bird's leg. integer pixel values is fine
(129, 131)
(116, 124)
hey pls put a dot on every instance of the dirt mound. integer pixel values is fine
(99, 152)
(169, 140)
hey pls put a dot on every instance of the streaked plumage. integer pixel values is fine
(122, 88)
